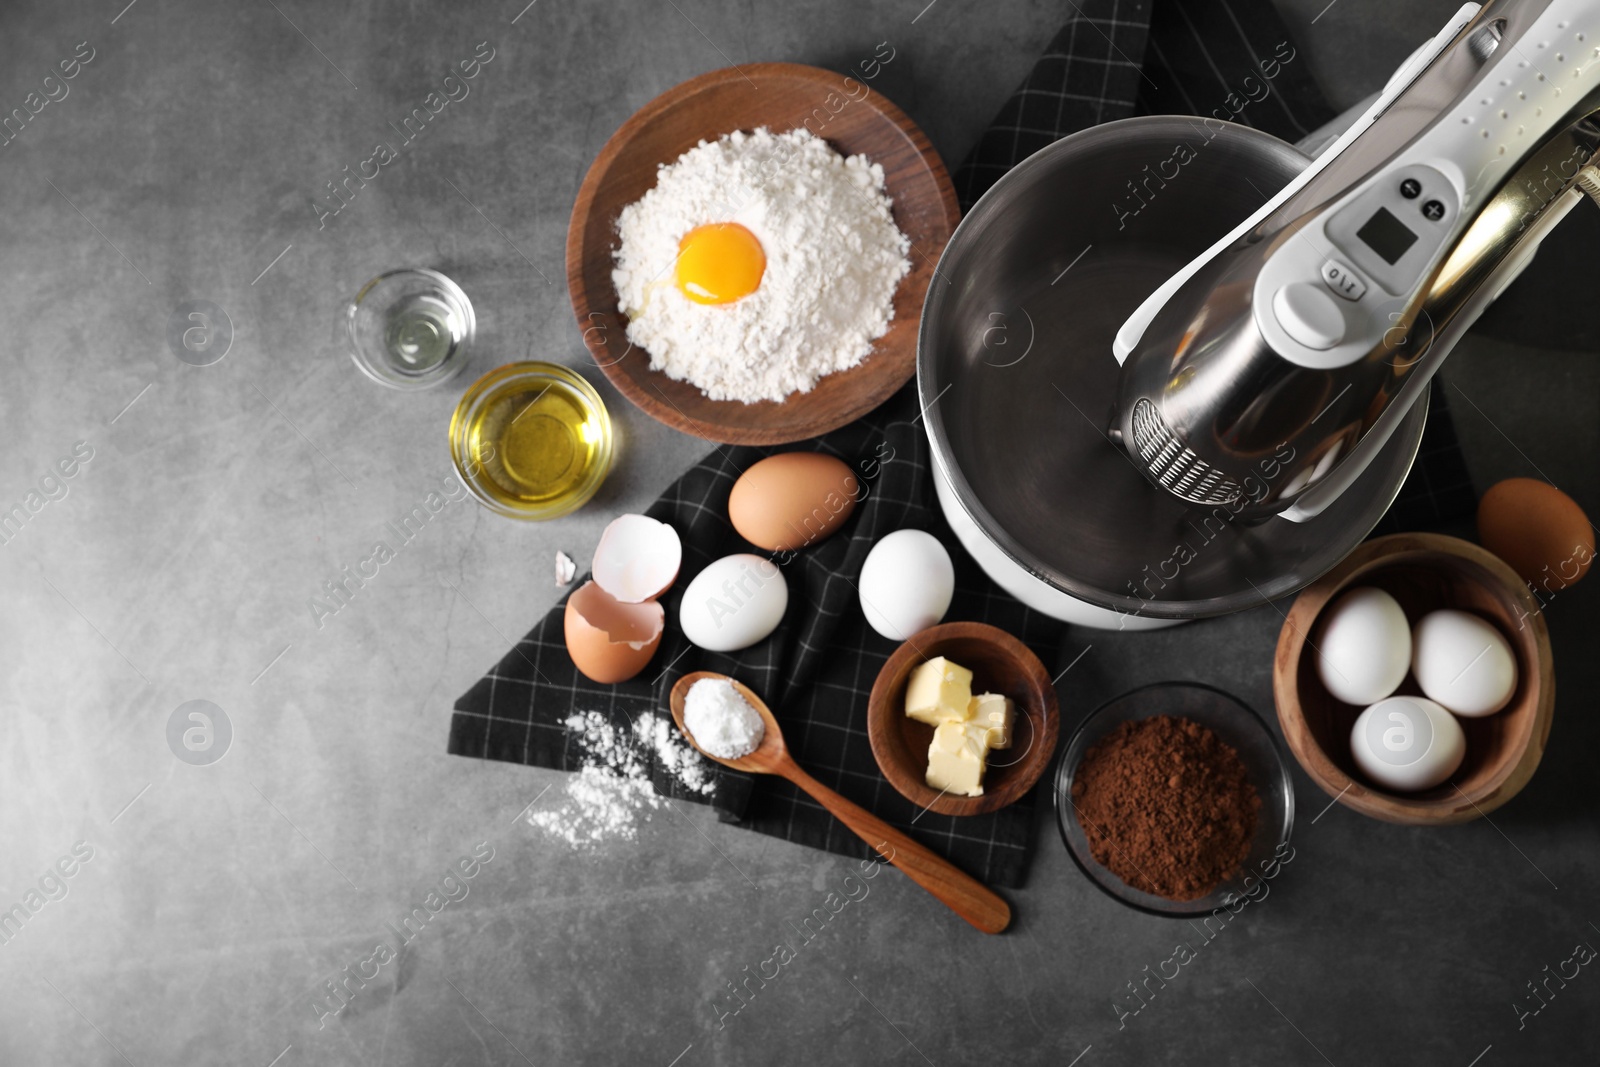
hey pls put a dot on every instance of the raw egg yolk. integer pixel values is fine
(719, 263)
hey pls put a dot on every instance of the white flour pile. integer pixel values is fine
(606, 798)
(721, 720)
(833, 259)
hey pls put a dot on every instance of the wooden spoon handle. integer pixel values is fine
(960, 892)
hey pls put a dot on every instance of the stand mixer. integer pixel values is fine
(1267, 374)
(1259, 326)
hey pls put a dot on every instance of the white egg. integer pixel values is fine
(1407, 743)
(906, 583)
(735, 602)
(1364, 648)
(1463, 662)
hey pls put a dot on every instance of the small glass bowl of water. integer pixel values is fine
(410, 329)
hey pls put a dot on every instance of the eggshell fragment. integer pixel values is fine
(1539, 530)
(609, 640)
(637, 558)
(792, 500)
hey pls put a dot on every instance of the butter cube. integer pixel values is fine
(957, 758)
(939, 691)
(994, 713)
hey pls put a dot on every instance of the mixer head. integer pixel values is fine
(1264, 376)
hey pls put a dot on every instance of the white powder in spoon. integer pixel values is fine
(720, 720)
(834, 257)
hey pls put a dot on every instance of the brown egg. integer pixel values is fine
(1539, 530)
(610, 641)
(792, 500)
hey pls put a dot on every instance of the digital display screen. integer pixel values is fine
(1386, 235)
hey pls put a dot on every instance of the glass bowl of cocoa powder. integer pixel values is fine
(1176, 799)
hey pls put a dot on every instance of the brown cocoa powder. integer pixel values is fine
(1167, 806)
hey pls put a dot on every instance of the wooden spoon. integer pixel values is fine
(963, 894)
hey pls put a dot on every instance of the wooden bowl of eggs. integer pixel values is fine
(853, 119)
(997, 665)
(1445, 648)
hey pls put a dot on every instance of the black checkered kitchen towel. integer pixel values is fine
(1231, 59)
(816, 670)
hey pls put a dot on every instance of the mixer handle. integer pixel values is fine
(1528, 90)
(1128, 336)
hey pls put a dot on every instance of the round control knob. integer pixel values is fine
(1309, 314)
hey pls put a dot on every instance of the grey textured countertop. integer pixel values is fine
(208, 906)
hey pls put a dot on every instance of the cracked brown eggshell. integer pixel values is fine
(610, 641)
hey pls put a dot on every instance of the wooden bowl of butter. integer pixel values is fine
(963, 719)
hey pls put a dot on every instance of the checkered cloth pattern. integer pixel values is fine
(1089, 74)
(815, 672)
(1232, 59)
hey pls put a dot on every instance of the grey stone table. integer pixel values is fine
(182, 914)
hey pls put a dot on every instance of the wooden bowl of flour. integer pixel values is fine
(855, 120)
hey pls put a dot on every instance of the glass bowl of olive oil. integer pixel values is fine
(532, 440)
(410, 329)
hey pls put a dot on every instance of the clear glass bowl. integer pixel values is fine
(1237, 726)
(532, 440)
(410, 329)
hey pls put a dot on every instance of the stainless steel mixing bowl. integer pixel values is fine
(1016, 375)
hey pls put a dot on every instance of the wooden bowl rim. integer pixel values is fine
(883, 715)
(1354, 793)
(662, 409)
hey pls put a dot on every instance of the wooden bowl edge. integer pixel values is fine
(881, 719)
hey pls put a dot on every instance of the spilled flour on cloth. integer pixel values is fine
(611, 794)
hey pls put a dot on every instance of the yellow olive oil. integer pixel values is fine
(532, 440)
